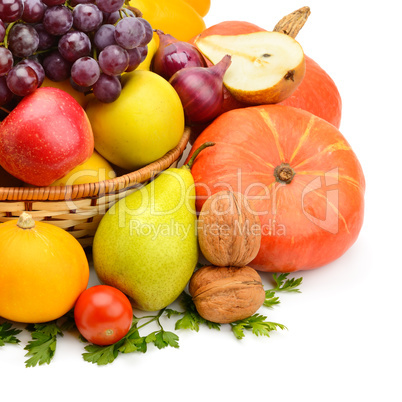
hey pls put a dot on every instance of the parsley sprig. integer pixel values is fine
(42, 347)
(133, 341)
(8, 334)
(282, 284)
(257, 324)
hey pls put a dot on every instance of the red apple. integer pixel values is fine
(45, 136)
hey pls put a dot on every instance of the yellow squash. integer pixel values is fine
(175, 17)
(43, 270)
(201, 6)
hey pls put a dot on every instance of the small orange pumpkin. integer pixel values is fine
(43, 270)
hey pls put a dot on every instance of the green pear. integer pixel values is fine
(146, 243)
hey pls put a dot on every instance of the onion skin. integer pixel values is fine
(172, 55)
(201, 90)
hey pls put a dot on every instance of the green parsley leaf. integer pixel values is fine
(8, 334)
(286, 285)
(42, 347)
(101, 355)
(257, 324)
(191, 319)
(270, 298)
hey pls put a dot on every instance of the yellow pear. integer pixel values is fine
(266, 67)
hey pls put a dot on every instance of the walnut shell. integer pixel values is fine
(226, 294)
(229, 232)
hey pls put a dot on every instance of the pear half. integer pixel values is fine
(266, 66)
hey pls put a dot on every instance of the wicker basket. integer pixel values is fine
(79, 208)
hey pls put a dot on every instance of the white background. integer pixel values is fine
(343, 341)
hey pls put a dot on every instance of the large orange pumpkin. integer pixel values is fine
(300, 175)
(317, 93)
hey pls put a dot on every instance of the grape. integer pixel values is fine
(73, 3)
(22, 80)
(134, 59)
(6, 61)
(5, 93)
(33, 11)
(129, 33)
(56, 67)
(112, 18)
(57, 20)
(11, 10)
(37, 67)
(79, 88)
(143, 52)
(87, 17)
(109, 6)
(74, 45)
(149, 32)
(113, 60)
(2, 31)
(104, 36)
(23, 40)
(85, 71)
(46, 40)
(107, 89)
(53, 2)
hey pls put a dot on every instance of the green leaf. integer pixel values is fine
(257, 324)
(191, 319)
(270, 298)
(170, 312)
(171, 339)
(100, 355)
(286, 285)
(42, 347)
(188, 321)
(8, 334)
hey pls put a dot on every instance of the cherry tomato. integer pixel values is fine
(103, 314)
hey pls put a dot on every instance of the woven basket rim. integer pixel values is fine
(97, 189)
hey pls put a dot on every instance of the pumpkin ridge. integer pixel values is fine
(267, 120)
(244, 150)
(337, 146)
(346, 179)
(338, 212)
(303, 137)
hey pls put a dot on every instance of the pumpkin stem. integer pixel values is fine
(284, 173)
(197, 151)
(25, 221)
(292, 23)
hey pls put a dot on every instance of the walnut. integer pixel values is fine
(226, 294)
(229, 232)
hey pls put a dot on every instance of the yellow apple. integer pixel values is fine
(80, 97)
(145, 122)
(94, 169)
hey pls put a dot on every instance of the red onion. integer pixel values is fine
(172, 55)
(201, 90)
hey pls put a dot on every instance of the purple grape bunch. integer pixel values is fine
(89, 42)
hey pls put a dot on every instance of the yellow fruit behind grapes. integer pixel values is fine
(145, 122)
(174, 17)
(81, 98)
(152, 47)
(201, 6)
(94, 169)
